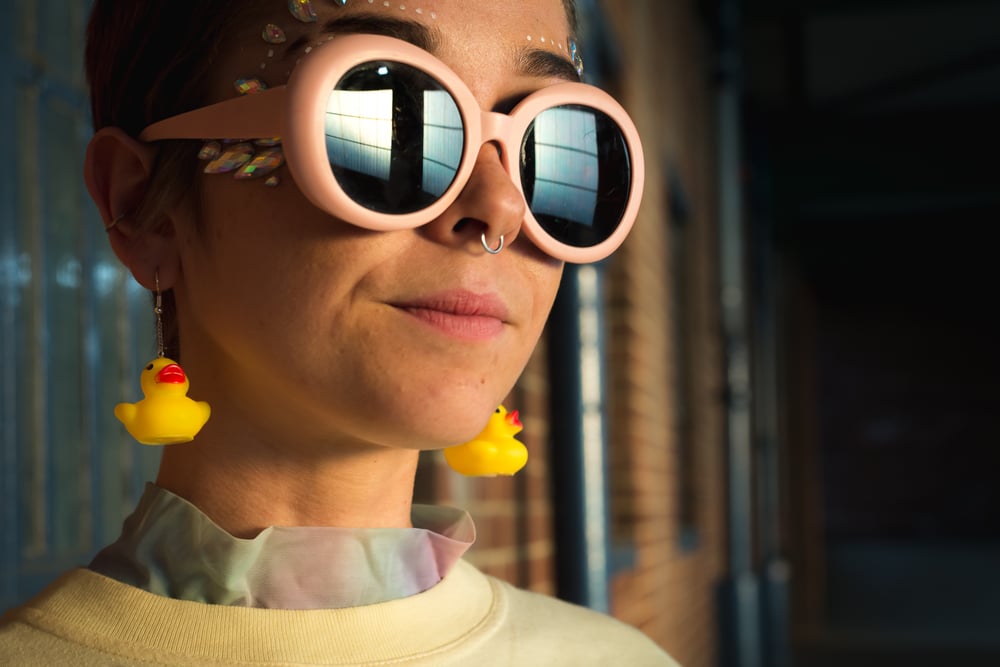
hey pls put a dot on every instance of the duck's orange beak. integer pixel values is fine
(171, 374)
(513, 419)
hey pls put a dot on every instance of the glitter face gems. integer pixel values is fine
(249, 86)
(210, 151)
(249, 159)
(302, 10)
(231, 159)
(262, 164)
(574, 52)
(273, 34)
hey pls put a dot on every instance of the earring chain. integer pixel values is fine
(158, 309)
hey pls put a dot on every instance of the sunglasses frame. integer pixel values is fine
(296, 113)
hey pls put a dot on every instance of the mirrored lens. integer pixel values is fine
(394, 137)
(576, 174)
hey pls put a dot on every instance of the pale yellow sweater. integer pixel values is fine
(85, 619)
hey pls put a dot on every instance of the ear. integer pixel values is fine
(117, 171)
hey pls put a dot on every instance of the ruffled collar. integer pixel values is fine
(169, 547)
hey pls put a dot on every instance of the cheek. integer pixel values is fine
(232, 208)
(253, 251)
(266, 234)
(545, 280)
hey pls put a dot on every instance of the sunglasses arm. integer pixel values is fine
(248, 117)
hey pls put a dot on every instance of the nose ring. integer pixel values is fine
(486, 245)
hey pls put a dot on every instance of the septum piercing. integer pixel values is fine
(486, 245)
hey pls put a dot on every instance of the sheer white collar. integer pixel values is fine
(169, 547)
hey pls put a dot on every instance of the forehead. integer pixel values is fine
(474, 35)
(454, 17)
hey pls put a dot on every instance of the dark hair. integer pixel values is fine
(147, 60)
(570, 6)
(150, 60)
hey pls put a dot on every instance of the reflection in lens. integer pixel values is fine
(394, 137)
(576, 174)
(359, 131)
(443, 141)
(565, 165)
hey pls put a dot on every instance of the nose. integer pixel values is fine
(489, 206)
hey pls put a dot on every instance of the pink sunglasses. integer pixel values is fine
(383, 135)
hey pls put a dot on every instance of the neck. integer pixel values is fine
(246, 487)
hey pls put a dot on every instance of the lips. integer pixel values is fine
(462, 303)
(460, 313)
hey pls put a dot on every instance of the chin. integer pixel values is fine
(459, 431)
(441, 425)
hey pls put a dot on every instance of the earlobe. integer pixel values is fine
(117, 171)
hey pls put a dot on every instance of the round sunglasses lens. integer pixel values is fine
(394, 137)
(576, 174)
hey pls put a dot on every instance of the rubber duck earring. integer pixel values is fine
(493, 452)
(166, 416)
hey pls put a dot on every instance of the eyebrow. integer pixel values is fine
(418, 34)
(545, 64)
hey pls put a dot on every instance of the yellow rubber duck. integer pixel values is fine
(493, 452)
(166, 416)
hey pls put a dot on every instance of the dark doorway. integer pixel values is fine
(875, 149)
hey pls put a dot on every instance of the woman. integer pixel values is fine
(376, 296)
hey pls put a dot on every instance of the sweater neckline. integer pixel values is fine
(89, 608)
(169, 547)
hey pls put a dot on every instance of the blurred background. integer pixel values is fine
(765, 432)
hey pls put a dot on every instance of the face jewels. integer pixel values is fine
(232, 158)
(249, 159)
(302, 10)
(273, 34)
(210, 150)
(249, 86)
(262, 164)
(574, 52)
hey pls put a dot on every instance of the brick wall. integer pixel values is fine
(676, 549)
(667, 340)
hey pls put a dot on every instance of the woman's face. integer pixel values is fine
(306, 328)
